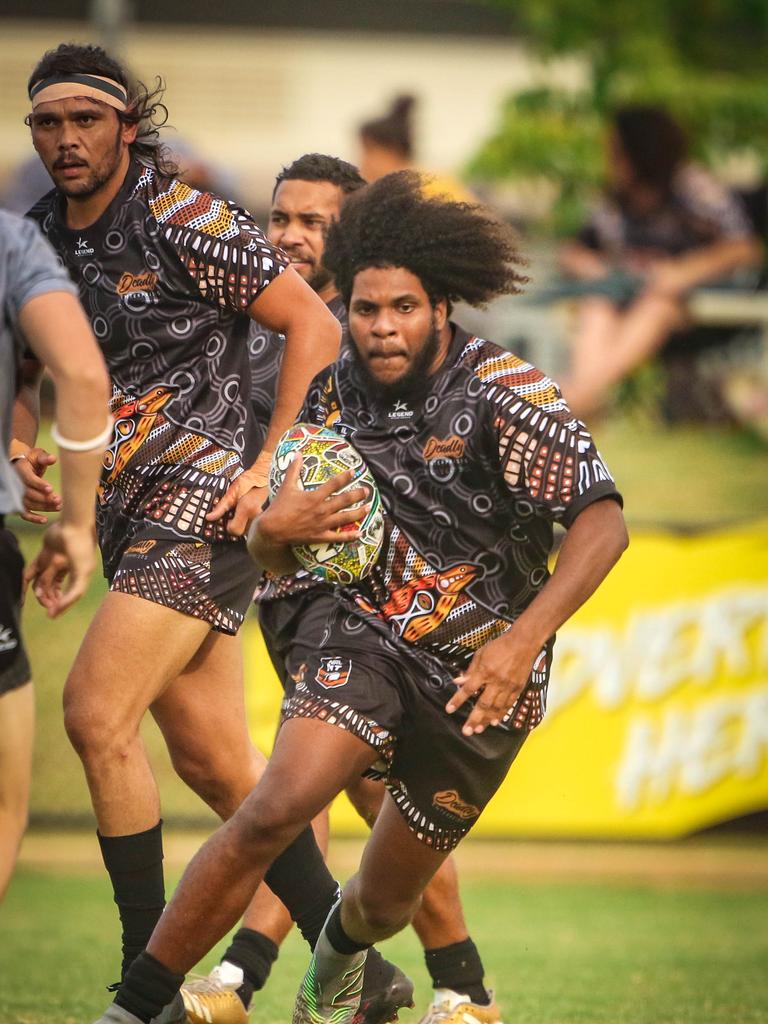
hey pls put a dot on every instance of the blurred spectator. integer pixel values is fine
(664, 227)
(386, 146)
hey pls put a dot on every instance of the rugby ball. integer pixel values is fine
(324, 454)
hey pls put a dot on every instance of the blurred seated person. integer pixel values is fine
(664, 227)
(387, 145)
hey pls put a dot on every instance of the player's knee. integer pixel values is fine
(268, 820)
(96, 733)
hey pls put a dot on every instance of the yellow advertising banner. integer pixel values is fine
(657, 719)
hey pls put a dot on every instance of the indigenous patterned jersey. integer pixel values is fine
(472, 479)
(166, 275)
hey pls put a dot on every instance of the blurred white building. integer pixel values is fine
(254, 92)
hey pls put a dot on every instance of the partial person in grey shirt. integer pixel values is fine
(40, 310)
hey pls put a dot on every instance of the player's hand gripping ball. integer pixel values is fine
(325, 453)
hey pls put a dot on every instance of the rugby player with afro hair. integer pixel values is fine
(441, 655)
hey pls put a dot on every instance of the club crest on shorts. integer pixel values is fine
(333, 672)
(448, 800)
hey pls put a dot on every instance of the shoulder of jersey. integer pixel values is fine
(175, 204)
(42, 207)
(502, 372)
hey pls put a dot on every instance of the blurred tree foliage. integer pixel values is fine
(703, 59)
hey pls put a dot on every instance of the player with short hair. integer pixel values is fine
(170, 278)
(442, 654)
(306, 200)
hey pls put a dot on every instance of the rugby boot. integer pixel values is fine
(385, 991)
(332, 987)
(213, 999)
(450, 1007)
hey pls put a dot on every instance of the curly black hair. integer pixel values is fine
(145, 106)
(320, 167)
(460, 252)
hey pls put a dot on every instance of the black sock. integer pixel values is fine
(299, 877)
(147, 987)
(254, 953)
(135, 866)
(338, 938)
(459, 968)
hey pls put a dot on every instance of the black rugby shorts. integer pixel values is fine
(14, 665)
(213, 582)
(340, 669)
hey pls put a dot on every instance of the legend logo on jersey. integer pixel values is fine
(82, 248)
(333, 672)
(400, 411)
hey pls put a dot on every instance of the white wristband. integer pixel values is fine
(69, 445)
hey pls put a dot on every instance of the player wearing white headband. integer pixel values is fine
(170, 278)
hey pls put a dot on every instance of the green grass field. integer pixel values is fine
(597, 945)
(625, 944)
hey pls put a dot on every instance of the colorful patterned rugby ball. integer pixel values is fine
(326, 453)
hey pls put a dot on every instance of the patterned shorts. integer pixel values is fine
(14, 666)
(340, 669)
(212, 582)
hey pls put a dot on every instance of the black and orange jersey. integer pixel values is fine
(166, 276)
(472, 479)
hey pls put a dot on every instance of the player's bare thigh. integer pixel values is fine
(131, 652)
(202, 716)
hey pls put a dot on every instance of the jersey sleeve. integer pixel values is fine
(712, 203)
(219, 244)
(546, 455)
(33, 267)
(319, 404)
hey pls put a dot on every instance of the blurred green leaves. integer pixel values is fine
(703, 59)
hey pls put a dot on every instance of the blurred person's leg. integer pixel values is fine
(17, 710)
(609, 344)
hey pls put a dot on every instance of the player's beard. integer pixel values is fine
(319, 278)
(413, 385)
(98, 177)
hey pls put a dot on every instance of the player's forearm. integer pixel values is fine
(715, 261)
(26, 408)
(591, 548)
(308, 348)
(312, 336)
(60, 336)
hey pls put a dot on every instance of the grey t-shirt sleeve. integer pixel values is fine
(28, 267)
(32, 267)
